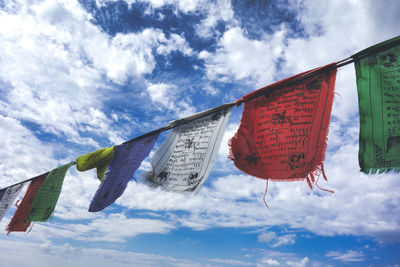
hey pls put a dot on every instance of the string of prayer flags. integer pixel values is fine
(20, 222)
(378, 86)
(47, 196)
(283, 131)
(184, 160)
(7, 197)
(99, 159)
(126, 160)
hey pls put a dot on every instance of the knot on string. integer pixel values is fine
(239, 102)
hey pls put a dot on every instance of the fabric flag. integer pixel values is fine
(184, 160)
(99, 159)
(378, 85)
(284, 126)
(126, 160)
(20, 222)
(7, 197)
(47, 196)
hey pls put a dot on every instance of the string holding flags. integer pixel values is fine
(281, 137)
(283, 131)
(378, 86)
(184, 160)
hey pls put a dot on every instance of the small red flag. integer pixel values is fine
(284, 127)
(19, 223)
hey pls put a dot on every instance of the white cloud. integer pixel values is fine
(48, 254)
(218, 11)
(238, 58)
(232, 262)
(284, 240)
(23, 155)
(302, 263)
(276, 241)
(166, 96)
(269, 262)
(161, 93)
(266, 237)
(54, 61)
(348, 256)
(112, 228)
(337, 30)
(185, 6)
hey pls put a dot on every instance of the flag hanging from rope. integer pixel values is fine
(284, 126)
(20, 222)
(7, 197)
(99, 159)
(184, 160)
(47, 196)
(126, 160)
(378, 85)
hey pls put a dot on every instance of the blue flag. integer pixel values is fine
(126, 160)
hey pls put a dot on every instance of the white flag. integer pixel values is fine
(7, 197)
(184, 160)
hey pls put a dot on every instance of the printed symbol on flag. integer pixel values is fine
(252, 160)
(392, 143)
(297, 160)
(388, 59)
(314, 85)
(189, 143)
(281, 118)
(192, 178)
(163, 176)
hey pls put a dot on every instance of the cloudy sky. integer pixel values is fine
(76, 76)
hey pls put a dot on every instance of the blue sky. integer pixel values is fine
(81, 75)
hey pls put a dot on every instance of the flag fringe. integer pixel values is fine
(381, 170)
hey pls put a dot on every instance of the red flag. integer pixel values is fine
(19, 222)
(284, 126)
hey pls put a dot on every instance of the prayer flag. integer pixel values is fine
(7, 197)
(378, 85)
(20, 222)
(99, 159)
(284, 126)
(48, 194)
(126, 160)
(184, 160)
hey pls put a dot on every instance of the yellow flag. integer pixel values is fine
(99, 159)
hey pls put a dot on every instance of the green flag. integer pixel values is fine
(378, 85)
(46, 198)
(99, 159)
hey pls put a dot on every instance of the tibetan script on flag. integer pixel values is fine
(20, 222)
(7, 197)
(378, 84)
(48, 194)
(126, 160)
(284, 126)
(184, 160)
